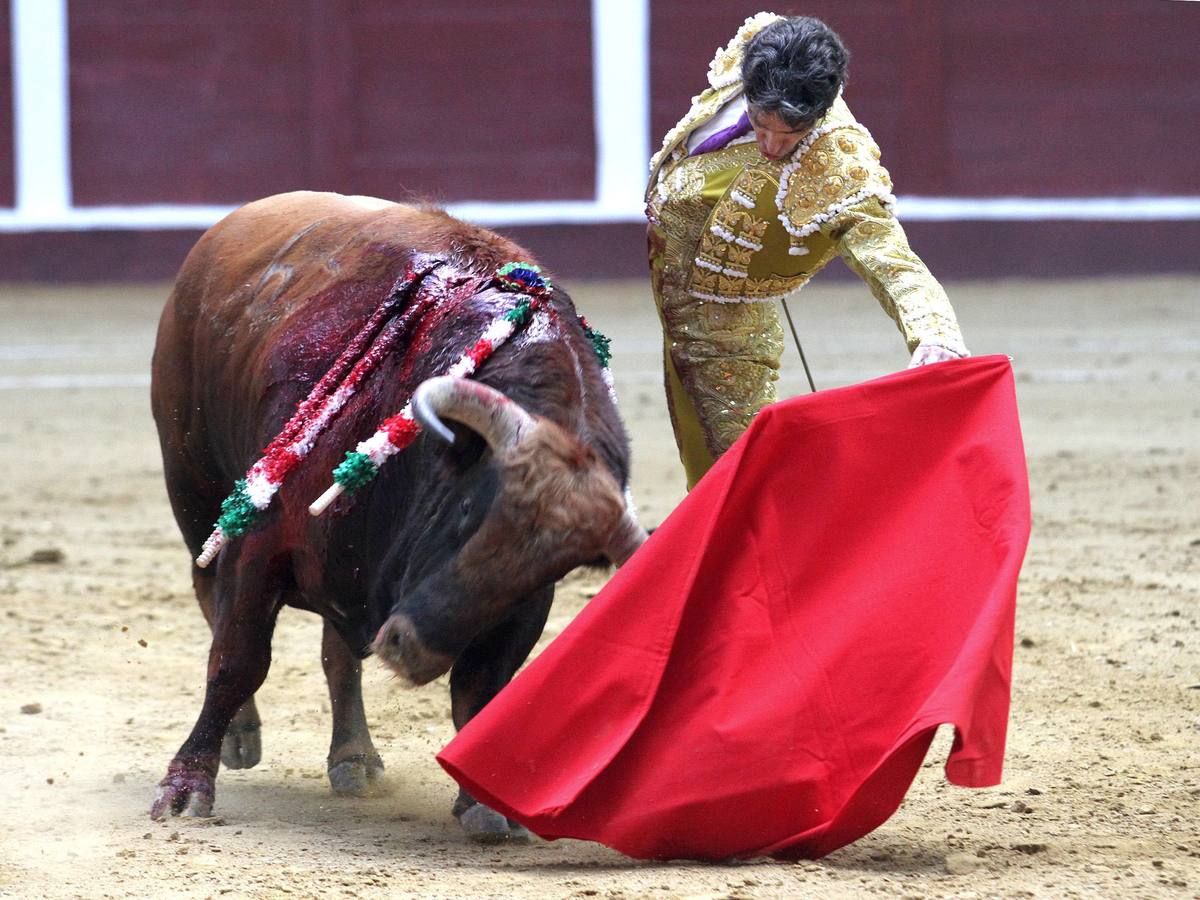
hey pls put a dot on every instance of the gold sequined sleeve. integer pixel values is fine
(873, 244)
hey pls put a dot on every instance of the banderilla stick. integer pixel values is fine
(792, 325)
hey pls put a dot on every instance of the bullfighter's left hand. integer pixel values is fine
(931, 353)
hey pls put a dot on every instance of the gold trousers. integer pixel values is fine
(720, 362)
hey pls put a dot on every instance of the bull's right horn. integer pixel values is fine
(499, 421)
(625, 539)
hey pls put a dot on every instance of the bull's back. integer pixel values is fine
(274, 290)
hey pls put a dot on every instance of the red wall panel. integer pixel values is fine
(221, 101)
(467, 100)
(1063, 98)
(1073, 98)
(7, 161)
(177, 102)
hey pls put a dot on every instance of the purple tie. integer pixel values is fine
(724, 136)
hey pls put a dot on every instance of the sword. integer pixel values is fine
(792, 325)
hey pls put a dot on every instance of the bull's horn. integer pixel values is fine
(499, 421)
(625, 539)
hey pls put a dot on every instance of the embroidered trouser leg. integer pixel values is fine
(720, 360)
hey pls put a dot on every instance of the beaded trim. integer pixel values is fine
(725, 68)
(885, 197)
(726, 235)
(742, 199)
(713, 267)
(702, 296)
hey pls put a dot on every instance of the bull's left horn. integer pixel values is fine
(625, 539)
(499, 421)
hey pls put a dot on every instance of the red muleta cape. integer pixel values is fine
(766, 673)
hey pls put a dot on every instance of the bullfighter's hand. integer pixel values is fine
(931, 353)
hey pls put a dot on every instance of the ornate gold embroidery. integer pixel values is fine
(771, 288)
(680, 207)
(874, 245)
(727, 357)
(747, 186)
(838, 170)
(746, 229)
(718, 255)
(738, 257)
(704, 282)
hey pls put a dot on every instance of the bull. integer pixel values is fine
(447, 559)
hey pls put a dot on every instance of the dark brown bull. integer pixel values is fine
(447, 560)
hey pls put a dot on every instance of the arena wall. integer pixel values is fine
(1027, 138)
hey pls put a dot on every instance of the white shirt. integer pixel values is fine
(725, 117)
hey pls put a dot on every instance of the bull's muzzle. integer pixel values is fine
(403, 651)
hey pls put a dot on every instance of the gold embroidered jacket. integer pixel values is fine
(745, 228)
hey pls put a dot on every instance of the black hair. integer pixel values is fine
(794, 68)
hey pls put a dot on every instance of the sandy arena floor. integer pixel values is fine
(104, 647)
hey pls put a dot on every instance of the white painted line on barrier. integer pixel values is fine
(587, 212)
(1032, 209)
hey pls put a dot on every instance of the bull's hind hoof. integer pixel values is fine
(356, 776)
(184, 792)
(242, 746)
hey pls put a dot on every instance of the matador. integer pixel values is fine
(765, 179)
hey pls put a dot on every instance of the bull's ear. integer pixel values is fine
(466, 450)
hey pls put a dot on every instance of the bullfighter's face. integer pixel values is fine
(776, 138)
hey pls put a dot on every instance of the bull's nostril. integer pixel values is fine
(394, 639)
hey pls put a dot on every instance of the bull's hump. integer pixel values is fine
(369, 202)
(312, 206)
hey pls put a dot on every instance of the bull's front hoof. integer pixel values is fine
(484, 825)
(356, 776)
(241, 747)
(186, 791)
(518, 833)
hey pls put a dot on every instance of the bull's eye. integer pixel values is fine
(464, 507)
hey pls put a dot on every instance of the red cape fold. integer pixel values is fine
(766, 673)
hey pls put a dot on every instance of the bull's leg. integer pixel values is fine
(353, 762)
(196, 507)
(244, 608)
(486, 666)
(241, 747)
